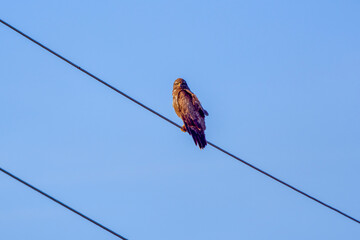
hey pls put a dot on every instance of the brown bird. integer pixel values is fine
(188, 107)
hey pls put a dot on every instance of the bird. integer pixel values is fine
(188, 107)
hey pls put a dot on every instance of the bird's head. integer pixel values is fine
(180, 83)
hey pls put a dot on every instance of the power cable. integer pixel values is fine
(62, 204)
(173, 123)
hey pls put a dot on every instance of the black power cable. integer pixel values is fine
(62, 204)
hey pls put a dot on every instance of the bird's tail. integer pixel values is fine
(197, 135)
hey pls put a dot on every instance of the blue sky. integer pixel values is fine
(281, 83)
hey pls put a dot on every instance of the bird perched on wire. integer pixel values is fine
(188, 107)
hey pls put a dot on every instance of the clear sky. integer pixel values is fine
(281, 83)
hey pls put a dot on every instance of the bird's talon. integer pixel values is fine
(183, 129)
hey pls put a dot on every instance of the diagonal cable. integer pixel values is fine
(62, 204)
(173, 123)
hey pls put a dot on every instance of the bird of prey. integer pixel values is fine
(188, 107)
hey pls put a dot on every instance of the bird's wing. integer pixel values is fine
(197, 104)
(192, 117)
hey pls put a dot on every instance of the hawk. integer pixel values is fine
(188, 107)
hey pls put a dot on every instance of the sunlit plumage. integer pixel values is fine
(188, 107)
